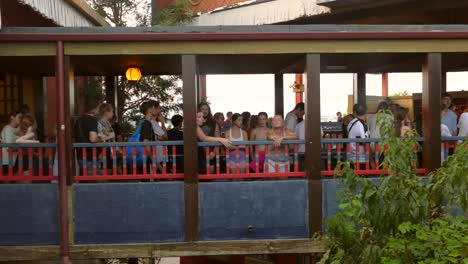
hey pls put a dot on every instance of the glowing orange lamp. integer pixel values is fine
(133, 74)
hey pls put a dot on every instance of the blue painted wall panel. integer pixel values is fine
(273, 209)
(129, 212)
(28, 214)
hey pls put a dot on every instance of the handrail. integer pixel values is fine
(28, 145)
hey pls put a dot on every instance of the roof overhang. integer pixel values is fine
(68, 13)
(234, 50)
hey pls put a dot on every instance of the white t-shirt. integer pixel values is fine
(291, 121)
(356, 130)
(300, 132)
(463, 125)
(158, 131)
(8, 136)
(445, 132)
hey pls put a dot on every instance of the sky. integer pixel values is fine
(255, 93)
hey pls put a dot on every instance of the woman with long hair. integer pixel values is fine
(237, 154)
(278, 158)
(206, 138)
(259, 133)
(208, 126)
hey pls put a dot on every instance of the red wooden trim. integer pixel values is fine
(144, 176)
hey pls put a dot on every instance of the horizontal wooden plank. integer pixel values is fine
(27, 49)
(212, 248)
(267, 47)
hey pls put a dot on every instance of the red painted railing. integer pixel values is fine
(164, 160)
(30, 162)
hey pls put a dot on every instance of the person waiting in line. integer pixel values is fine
(9, 136)
(346, 120)
(246, 120)
(228, 121)
(259, 134)
(339, 117)
(86, 131)
(357, 128)
(300, 132)
(176, 134)
(292, 118)
(201, 136)
(208, 126)
(374, 126)
(463, 122)
(27, 134)
(449, 118)
(158, 123)
(252, 124)
(237, 154)
(25, 131)
(218, 119)
(106, 131)
(277, 156)
(403, 123)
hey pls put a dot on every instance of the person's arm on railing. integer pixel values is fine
(201, 136)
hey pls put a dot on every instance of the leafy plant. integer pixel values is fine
(378, 222)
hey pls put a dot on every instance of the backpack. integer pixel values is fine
(139, 149)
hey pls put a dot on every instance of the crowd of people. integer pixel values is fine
(95, 126)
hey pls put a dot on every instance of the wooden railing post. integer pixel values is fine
(312, 140)
(189, 78)
(432, 76)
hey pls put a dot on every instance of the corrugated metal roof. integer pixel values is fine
(204, 6)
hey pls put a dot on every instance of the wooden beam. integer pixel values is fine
(385, 84)
(279, 100)
(431, 96)
(70, 110)
(359, 88)
(265, 47)
(189, 79)
(211, 248)
(202, 88)
(27, 49)
(312, 140)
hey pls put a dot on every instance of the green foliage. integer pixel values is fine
(165, 89)
(175, 14)
(404, 93)
(377, 221)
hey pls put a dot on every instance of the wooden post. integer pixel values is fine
(299, 95)
(189, 78)
(202, 88)
(279, 100)
(62, 130)
(385, 84)
(359, 88)
(312, 140)
(432, 75)
(70, 110)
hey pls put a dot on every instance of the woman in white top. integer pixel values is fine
(237, 157)
(259, 134)
(463, 123)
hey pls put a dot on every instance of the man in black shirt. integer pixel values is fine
(176, 134)
(86, 132)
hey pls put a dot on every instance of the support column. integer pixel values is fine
(202, 88)
(432, 76)
(385, 84)
(279, 98)
(62, 130)
(299, 95)
(70, 109)
(189, 79)
(312, 140)
(359, 88)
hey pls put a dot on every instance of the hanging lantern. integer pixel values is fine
(133, 74)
